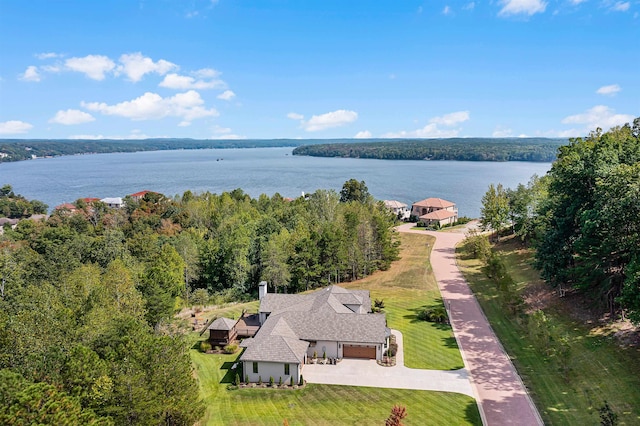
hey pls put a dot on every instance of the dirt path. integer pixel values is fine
(502, 397)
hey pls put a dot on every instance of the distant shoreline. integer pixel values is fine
(454, 149)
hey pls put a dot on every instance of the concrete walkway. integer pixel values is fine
(364, 372)
(502, 397)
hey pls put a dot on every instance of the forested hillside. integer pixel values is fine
(460, 149)
(87, 297)
(583, 218)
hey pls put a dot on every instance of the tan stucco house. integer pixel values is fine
(433, 211)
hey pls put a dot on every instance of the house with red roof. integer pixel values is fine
(432, 211)
(139, 195)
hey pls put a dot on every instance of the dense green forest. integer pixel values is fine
(583, 218)
(460, 149)
(87, 298)
(15, 206)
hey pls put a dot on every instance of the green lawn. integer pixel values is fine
(407, 286)
(599, 368)
(321, 404)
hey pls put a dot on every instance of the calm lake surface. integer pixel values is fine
(258, 171)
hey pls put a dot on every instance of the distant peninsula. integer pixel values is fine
(458, 149)
(27, 149)
(461, 149)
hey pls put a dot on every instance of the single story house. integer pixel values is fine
(332, 322)
(401, 210)
(435, 210)
(113, 202)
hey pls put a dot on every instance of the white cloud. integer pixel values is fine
(577, 2)
(151, 106)
(227, 95)
(184, 123)
(72, 116)
(135, 134)
(221, 130)
(517, 7)
(610, 90)
(451, 119)
(432, 130)
(207, 73)
(469, 6)
(328, 120)
(365, 134)
(599, 116)
(446, 10)
(30, 74)
(502, 132)
(135, 66)
(295, 116)
(90, 137)
(93, 66)
(182, 82)
(47, 55)
(621, 6)
(14, 126)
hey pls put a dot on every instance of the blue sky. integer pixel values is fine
(317, 69)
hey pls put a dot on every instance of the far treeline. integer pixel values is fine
(87, 296)
(582, 218)
(21, 149)
(459, 149)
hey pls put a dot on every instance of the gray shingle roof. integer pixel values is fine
(222, 324)
(275, 342)
(296, 319)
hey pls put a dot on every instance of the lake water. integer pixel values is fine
(258, 171)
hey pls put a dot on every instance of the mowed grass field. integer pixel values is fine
(321, 404)
(599, 369)
(406, 287)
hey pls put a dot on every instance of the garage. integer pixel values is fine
(354, 351)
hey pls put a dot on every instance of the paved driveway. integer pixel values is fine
(503, 398)
(364, 372)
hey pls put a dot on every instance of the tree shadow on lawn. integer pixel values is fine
(230, 375)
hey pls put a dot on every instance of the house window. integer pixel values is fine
(255, 368)
(286, 369)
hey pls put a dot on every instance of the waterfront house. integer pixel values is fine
(113, 202)
(401, 210)
(433, 211)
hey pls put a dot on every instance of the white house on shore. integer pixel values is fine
(113, 202)
(330, 323)
(401, 210)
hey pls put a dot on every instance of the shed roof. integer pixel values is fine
(222, 324)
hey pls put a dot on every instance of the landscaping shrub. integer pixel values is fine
(393, 349)
(205, 346)
(259, 380)
(230, 349)
(291, 381)
(271, 381)
(301, 380)
(436, 314)
(237, 381)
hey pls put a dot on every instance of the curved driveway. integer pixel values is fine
(502, 397)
